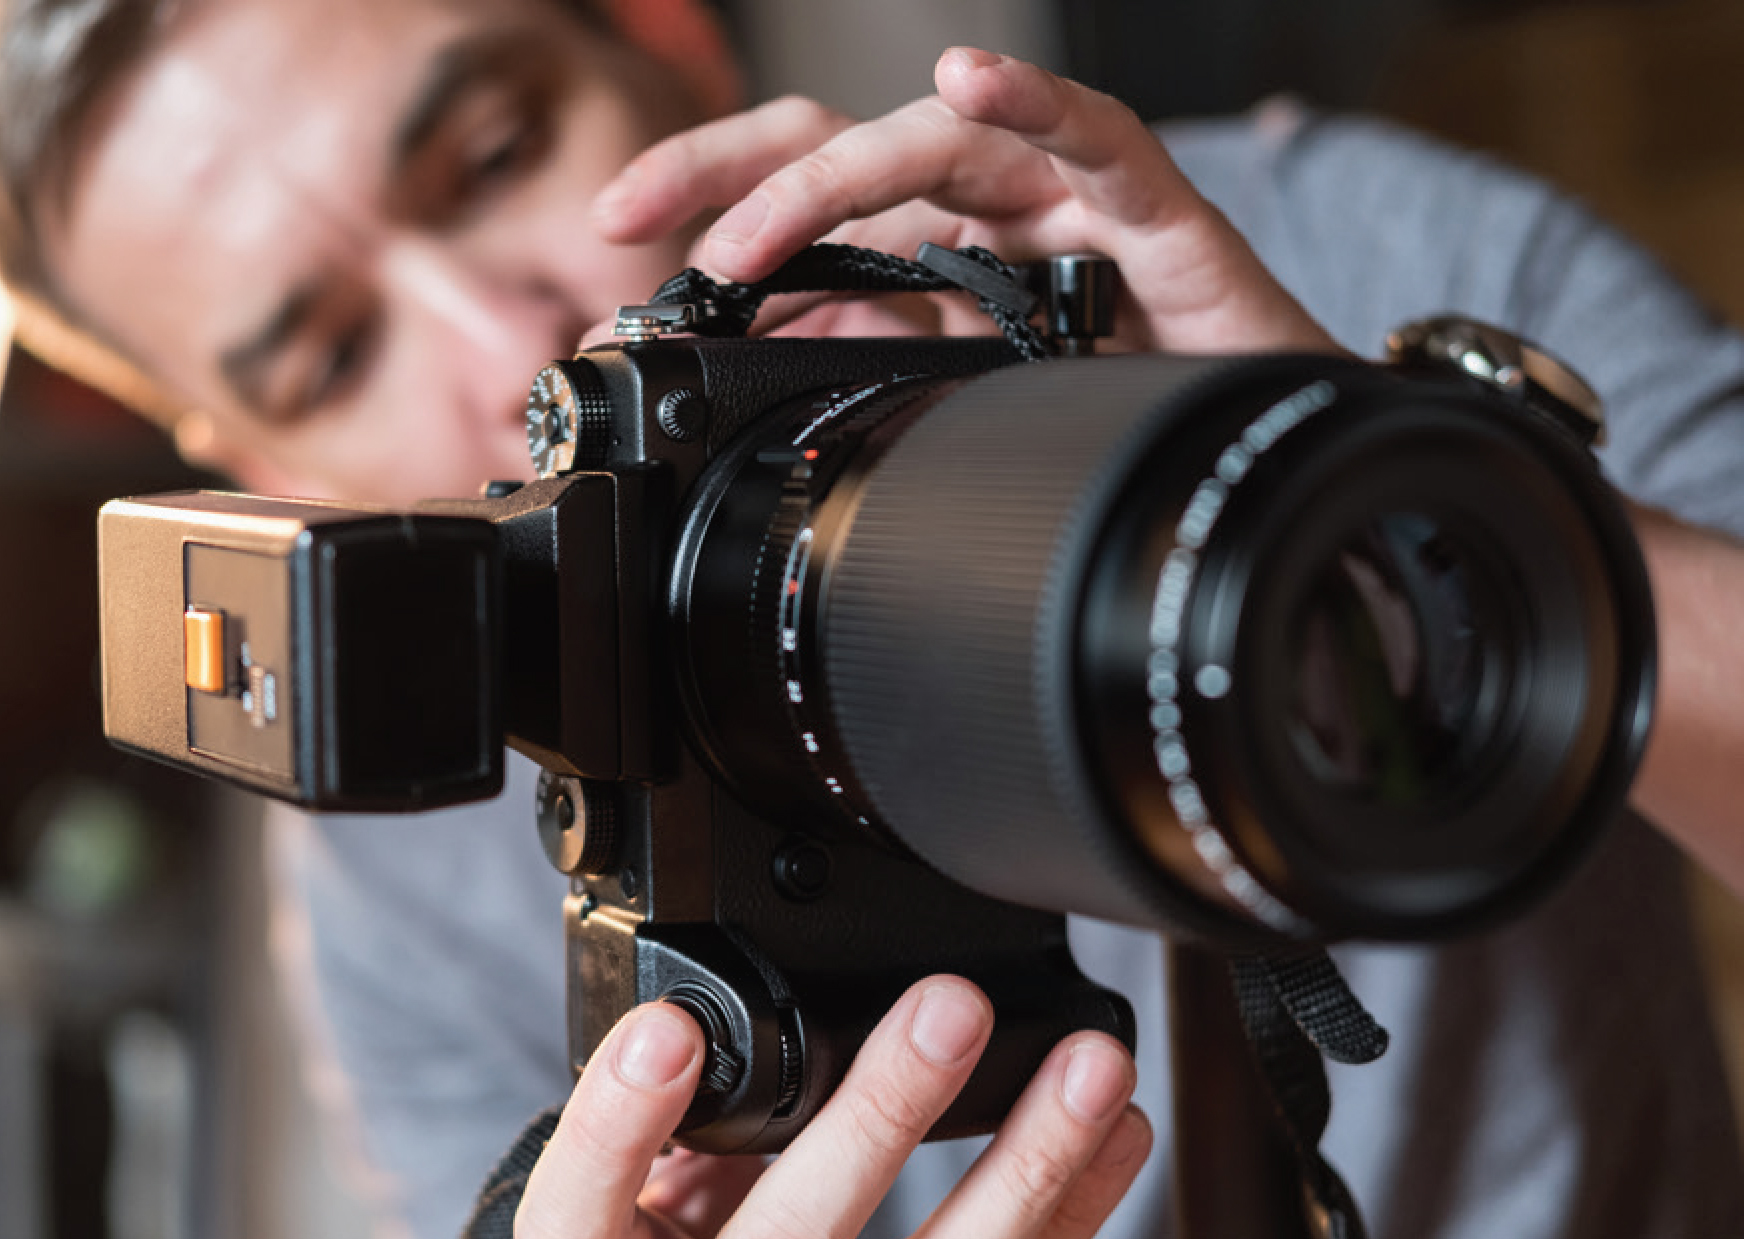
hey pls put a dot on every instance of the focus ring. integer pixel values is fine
(962, 564)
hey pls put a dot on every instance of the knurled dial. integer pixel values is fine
(569, 419)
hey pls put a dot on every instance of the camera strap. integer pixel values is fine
(725, 309)
(1298, 1011)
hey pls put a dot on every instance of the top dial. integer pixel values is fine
(569, 419)
(552, 422)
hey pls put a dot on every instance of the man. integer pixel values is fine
(348, 234)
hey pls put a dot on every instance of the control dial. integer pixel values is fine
(569, 419)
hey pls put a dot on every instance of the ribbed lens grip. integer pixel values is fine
(949, 627)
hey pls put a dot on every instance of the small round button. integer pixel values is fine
(578, 823)
(802, 868)
(682, 414)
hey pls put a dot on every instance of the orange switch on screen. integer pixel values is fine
(203, 635)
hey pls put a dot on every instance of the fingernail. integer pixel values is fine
(1096, 1081)
(947, 1024)
(975, 58)
(657, 1050)
(741, 223)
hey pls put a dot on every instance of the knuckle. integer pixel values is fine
(1105, 115)
(1038, 1177)
(820, 183)
(804, 115)
(677, 158)
(931, 111)
(887, 1120)
(587, 1144)
(935, 124)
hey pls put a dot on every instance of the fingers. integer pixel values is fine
(1064, 1156)
(699, 1192)
(1003, 138)
(713, 165)
(921, 151)
(1106, 156)
(1105, 1181)
(626, 1104)
(833, 1176)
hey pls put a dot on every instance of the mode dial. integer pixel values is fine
(569, 419)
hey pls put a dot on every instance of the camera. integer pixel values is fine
(852, 661)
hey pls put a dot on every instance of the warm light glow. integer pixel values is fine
(7, 320)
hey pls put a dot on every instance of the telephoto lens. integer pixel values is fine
(1248, 648)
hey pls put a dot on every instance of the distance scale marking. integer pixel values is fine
(813, 474)
(1163, 670)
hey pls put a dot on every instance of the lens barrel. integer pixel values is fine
(1239, 647)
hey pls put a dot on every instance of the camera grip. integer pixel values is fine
(779, 1044)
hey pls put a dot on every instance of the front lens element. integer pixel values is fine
(1391, 661)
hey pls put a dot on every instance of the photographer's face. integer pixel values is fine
(351, 233)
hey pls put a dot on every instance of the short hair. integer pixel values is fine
(58, 59)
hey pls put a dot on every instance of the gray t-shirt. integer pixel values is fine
(1557, 1078)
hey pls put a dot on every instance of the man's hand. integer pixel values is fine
(1063, 1159)
(1006, 156)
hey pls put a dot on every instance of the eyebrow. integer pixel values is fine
(244, 366)
(451, 73)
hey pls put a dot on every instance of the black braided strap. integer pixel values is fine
(1296, 1008)
(493, 1214)
(729, 309)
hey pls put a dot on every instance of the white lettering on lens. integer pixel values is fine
(1188, 804)
(1172, 755)
(1205, 507)
(1201, 514)
(1233, 465)
(1212, 681)
(1165, 715)
(1287, 414)
(834, 411)
(1171, 599)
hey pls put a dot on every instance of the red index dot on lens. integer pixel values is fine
(810, 453)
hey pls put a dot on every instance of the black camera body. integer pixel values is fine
(786, 931)
(787, 941)
(849, 662)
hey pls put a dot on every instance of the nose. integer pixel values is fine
(484, 337)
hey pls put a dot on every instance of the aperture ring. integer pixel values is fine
(830, 455)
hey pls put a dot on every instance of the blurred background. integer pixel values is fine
(149, 1087)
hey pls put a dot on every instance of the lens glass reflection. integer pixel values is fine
(1391, 663)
